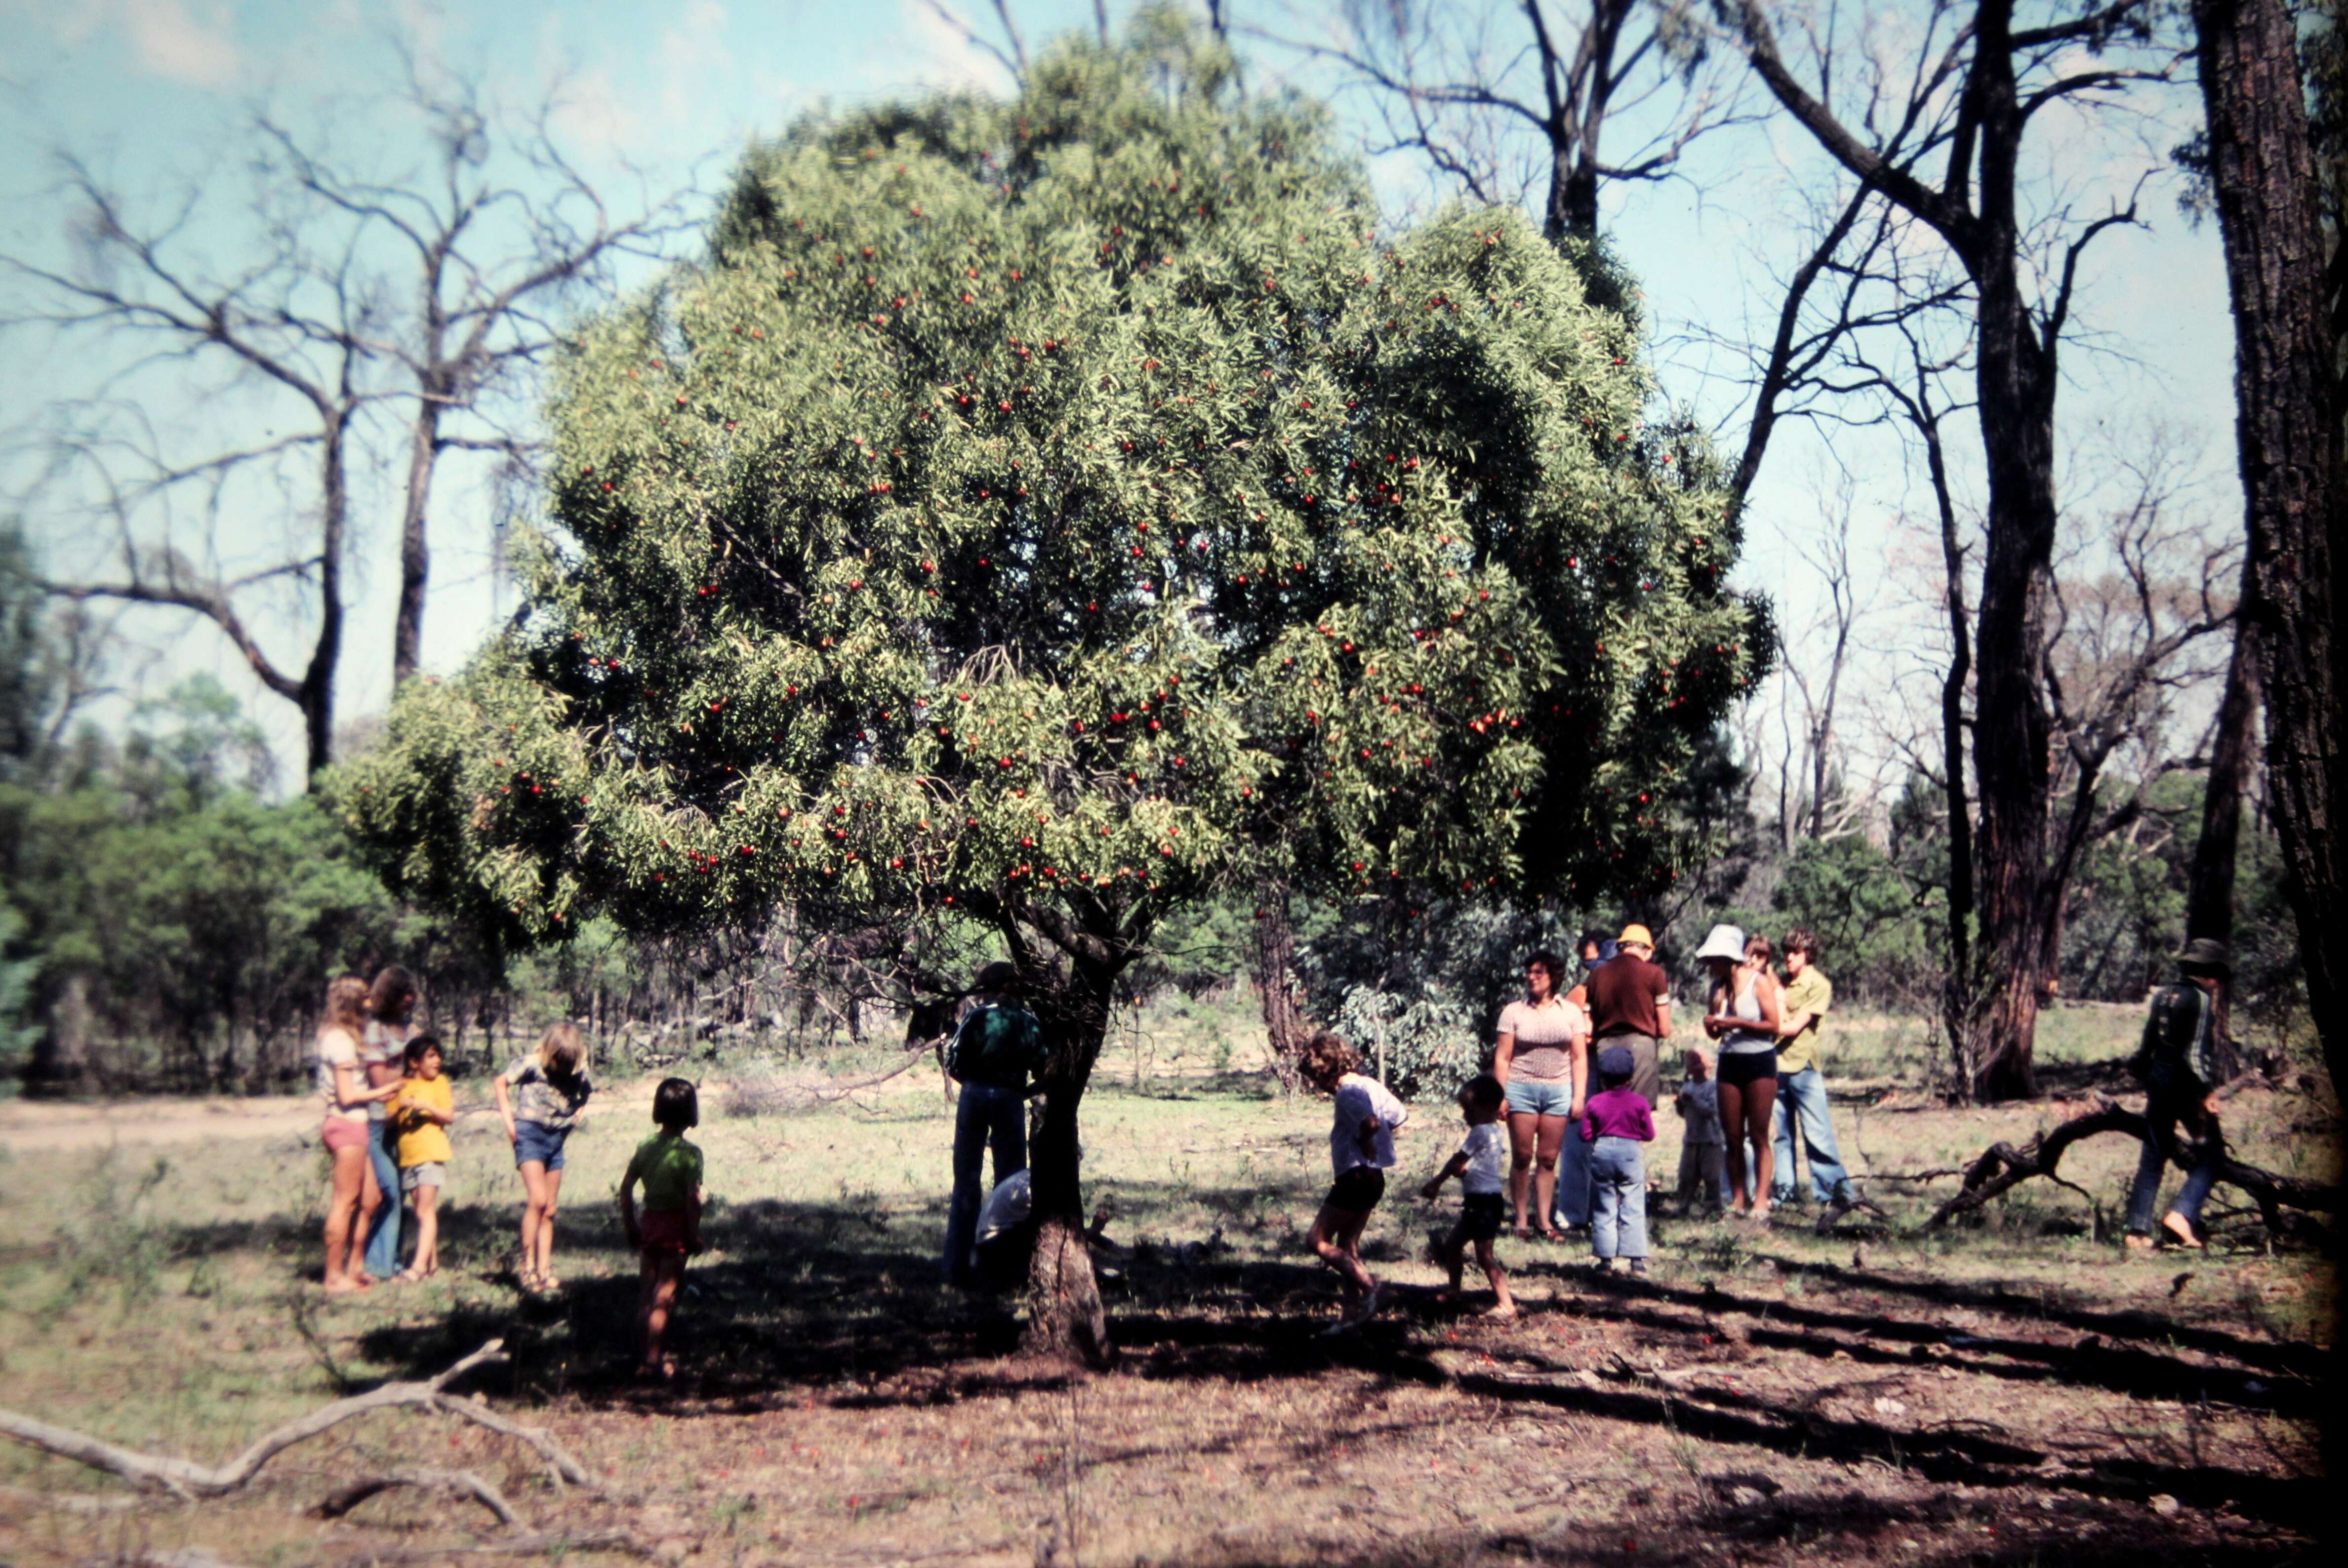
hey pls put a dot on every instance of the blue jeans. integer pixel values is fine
(985, 1115)
(2143, 1196)
(381, 1258)
(1570, 1206)
(1618, 1188)
(1803, 1096)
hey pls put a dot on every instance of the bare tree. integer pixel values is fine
(1966, 98)
(1500, 99)
(358, 314)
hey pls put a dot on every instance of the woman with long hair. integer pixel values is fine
(353, 1195)
(1541, 1060)
(1742, 1015)
(540, 1099)
(391, 1009)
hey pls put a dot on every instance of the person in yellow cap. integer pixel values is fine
(1630, 1006)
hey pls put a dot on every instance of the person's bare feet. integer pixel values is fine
(2178, 1226)
(1504, 1312)
(2140, 1244)
(348, 1285)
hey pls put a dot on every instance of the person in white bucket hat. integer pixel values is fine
(1742, 1015)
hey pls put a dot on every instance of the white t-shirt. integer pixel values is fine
(337, 1049)
(1358, 1099)
(1486, 1149)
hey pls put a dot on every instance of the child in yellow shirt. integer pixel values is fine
(423, 1110)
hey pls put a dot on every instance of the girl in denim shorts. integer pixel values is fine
(540, 1099)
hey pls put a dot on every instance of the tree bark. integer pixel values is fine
(1065, 1318)
(2209, 889)
(1273, 956)
(415, 556)
(2288, 440)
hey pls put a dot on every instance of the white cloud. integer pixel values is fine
(166, 39)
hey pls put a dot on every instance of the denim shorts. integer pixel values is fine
(1541, 1097)
(536, 1141)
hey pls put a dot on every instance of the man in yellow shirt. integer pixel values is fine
(1801, 1087)
(423, 1110)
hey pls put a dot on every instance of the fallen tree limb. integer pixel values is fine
(464, 1481)
(2001, 1167)
(552, 1543)
(187, 1478)
(71, 1502)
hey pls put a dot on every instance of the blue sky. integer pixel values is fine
(150, 92)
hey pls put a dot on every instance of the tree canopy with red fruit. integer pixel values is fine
(1046, 511)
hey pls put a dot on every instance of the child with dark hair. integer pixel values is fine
(1617, 1122)
(669, 1229)
(421, 1114)
(1361, 1146)
(1481, 1164)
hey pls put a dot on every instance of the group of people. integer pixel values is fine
(388, 1106)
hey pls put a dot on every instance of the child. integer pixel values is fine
(1481, 1164)
(541, 1096)
(1703, 1155)
(1616, 1122)
(423, 1112)
(1361, 1146)
(669, 1229)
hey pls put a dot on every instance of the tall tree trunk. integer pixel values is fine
(2287, 437)
(2209, 888)
(415, 556)
(1959, 1014)
(2295, 487)
(1064, 1315)
(316, 696)
(1272, 957)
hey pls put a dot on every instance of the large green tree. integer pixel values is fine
(1048, 513)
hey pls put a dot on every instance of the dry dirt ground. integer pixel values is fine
(2017, 1391)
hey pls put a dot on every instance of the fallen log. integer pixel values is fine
(464, 1481)
(189, 1479)
(2001, 1167)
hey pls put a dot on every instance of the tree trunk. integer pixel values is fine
(2015, 371)
(415, 557)
(2209, 890)
(2288, 438)
(1960, 1017)
(1273, 956)
(1064, 1315)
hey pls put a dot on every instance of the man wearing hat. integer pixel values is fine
(1630, 1006)
(2178, 1063)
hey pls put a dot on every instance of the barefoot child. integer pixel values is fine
(1361, 1146)
(1617, 1123)
(1481, 1164)
(669, 1229)
(1704, 1151)
(423, 1112)
(541, 1096)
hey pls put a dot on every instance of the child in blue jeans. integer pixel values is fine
(1617, 1121)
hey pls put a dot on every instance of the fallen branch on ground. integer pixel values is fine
(71, 1502)
(465, 1481)
(2001, 1168)
(552, 1543)
(187, 1478)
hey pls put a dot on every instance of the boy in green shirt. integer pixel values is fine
(1801, 1087)
(669, 1229)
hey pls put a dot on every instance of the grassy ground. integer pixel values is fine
(2015, 1390)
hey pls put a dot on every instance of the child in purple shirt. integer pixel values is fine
(1618, 1119)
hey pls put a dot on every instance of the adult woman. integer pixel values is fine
(354, 1195)
(391, 1006)
(1742, 1015)
(1541, 1060)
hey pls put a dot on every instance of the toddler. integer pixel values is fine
(1703, 1155)
(422, 1113)
(669, 1229)
(1617, 1122)
(1361, 1146)
(1481, 1164)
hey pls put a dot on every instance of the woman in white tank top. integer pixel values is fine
(1743, 1016)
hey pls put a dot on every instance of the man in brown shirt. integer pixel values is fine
(1631, 1005)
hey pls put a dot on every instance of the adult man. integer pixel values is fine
(993, 1055)
(2178, 1064)
(1631, 1005)
(1801, 1087)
